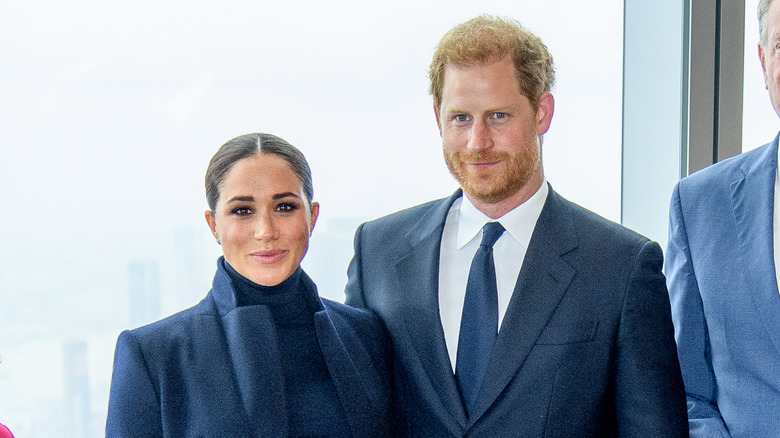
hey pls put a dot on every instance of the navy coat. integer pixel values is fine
(586, 348)
(214, 371)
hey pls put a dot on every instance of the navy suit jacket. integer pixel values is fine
(725, 300)
(214, 371)
(586, 347)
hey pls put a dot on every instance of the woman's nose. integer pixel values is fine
(265, 228)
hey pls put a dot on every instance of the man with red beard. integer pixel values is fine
(514, 312)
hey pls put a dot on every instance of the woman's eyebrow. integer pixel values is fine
(240, 198)
(285, 195)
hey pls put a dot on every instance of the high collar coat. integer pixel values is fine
(214, 370)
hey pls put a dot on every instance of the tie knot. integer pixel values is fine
(490, 233)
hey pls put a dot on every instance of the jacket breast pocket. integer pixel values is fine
(569, 333)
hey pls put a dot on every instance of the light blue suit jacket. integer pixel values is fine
(725, 302)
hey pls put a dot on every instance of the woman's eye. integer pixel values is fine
(242, 211)
(286, 206)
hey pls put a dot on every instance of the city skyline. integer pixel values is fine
(40, 346)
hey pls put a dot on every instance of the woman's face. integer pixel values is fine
(262, 219)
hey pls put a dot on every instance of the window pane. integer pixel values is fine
(112, 110)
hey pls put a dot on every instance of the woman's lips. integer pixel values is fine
(271, 256)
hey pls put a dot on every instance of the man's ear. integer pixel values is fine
(762, 58)
(438, 117)
(544, 112)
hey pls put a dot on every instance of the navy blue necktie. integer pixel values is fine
(479, 325)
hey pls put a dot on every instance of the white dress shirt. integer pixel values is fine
(460, 240)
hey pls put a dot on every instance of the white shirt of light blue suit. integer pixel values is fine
(460, 240)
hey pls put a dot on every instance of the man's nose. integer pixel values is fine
(479, 137)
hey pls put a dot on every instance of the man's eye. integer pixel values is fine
(461, 117)
(499, 115)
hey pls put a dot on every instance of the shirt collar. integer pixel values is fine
(519, 222)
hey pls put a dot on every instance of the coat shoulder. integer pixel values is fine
(171, 331)
(723, 171)
(404, 218)
(591, 225)
(604, 248)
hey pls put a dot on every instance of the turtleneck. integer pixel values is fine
(313, 406)
(286, 301)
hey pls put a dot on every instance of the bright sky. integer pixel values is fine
(111, 110)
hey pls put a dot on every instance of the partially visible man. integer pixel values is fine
(723, 249)
(552, 321)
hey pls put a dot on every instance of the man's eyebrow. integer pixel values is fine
(498, 109)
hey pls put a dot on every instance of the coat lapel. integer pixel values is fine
(348, 380)
(418, 274)
(351, 389)
(543, 280)
(752, 196)
(251, 341)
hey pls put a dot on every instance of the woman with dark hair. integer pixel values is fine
(262, 355)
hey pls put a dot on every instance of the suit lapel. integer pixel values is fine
(752, 196)
(417, 270)
(542, 282)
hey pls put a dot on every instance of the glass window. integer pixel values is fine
(110, 112)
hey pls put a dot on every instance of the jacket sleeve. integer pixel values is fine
(691, 329)
(650, 397)
(354, 289)
(134, 403)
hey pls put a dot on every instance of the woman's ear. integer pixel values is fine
(315, 213)
(212, 224)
